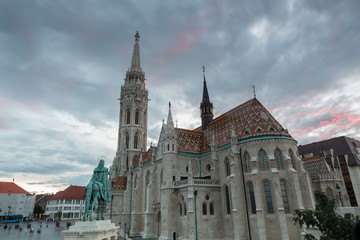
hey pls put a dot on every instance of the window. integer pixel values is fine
(278, 159)
(247, 162)
(135, 182)
(227, 167)
(137, 117)
(127, 116)
(291, 155)
(252, 198)
(268, 198)
(227, 197)
(284, 197)
(67, 201)
(127, 140)
(77, 202)
(127, 162)
(263, 161)
(180, 209)
(147, 179)
(208, 167)
(136, 141)
(67, 208)
(212, 209)
(184, 208)
(204, 209)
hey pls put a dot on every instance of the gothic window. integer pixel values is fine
(173, 147)
(147, 179)
(278, 159)
(212, 209)
(127, 139)
(204, 209)
(135, 182)
(161, 177)
(127, 162)
(263, 160)
(268, 198)
(184, 208)
(208, 167)
(137, 116)
(247, 162)
(227, 167)
(284, 196)
(291, 155)
(127, 116)
(180, 209)
(168, 147)
(227, 197)
(136, 138)
(252, 198)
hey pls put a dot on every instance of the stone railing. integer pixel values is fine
(206, 182)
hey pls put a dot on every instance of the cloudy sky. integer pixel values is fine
(62, 64)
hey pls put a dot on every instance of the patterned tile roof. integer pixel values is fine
(316, 166)
(71, 192)
(250, 119)
(146, 157)
(120, 183)
(12, 188)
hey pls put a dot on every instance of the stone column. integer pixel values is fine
(149, 214)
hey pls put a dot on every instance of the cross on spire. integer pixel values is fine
(254, 91)
(203, 67)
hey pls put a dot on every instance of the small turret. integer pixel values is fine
(206, 107)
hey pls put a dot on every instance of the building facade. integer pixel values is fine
(70, 203)
(343, 155)
(15, 200)
(236, 176)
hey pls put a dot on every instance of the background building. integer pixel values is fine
(236, 175)
(15, 200)
(42, 199)
(342, 153)
(69, 202)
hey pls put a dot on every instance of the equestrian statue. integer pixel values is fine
(97, 192)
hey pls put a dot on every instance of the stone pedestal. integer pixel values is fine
(100, 230)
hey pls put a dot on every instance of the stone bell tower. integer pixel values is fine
(132, 136)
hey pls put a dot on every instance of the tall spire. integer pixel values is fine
(206, 107)
(170, 119)
(135, 62)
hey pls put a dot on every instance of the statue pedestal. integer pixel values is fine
(101, 230)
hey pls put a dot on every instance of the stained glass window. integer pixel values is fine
(247, 162)
(284, 196)
(263, 161)
(268, 198)
(278, 159)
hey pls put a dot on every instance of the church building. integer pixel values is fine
(237, 176)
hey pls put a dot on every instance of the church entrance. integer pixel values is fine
(174, 235)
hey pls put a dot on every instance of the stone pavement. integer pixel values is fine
(47, 233)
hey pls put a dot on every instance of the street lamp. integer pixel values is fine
(338, 189)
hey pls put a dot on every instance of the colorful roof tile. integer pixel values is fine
(316, 166)
(12, 188)
(146, 157)
(120, 183)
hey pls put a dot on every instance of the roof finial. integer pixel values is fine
(169, 104)
(254, 91)
(203, 67)
(137, 36)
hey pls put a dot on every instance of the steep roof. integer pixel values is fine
(341, 145)
(317, 167)
(120, 183)
(71, 192)
(250, 119)
(146, 156)
(12, 188)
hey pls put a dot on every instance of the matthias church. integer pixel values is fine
(237, 176)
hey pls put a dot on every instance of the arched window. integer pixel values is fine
(212, 209)
(291, 155)
(227, 167)
(173, 147)
(161, 177)
(268, 197)
(127, 116)
(284, 196)
(135, 182)
(227, 197)
(247, 162)
(136, 138)
(204, 209)
(252, 198)
(168, 147)
(180, 209)
(147, 179)
(278, 159)
(137, 116)
(184, 208)
(263, 161)
(127, 162)
(127, 140)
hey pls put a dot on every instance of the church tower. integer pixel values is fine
(132, 137)
(206, 107)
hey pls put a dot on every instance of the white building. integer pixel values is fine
(237, 176)
(69, 202)
(15, 200)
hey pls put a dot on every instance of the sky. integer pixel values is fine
(62, 64)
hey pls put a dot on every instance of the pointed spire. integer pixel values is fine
(206, 98)
(170, 119)
(135, 62)
(206, 107)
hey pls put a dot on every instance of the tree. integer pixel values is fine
(58, 215)
(38, 210)
(331, 224)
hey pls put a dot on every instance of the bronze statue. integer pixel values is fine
(97, 191)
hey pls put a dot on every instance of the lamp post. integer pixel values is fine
(338, 189)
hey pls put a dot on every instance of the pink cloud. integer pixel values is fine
(354, 119)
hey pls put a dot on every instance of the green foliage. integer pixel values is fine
(58, 214)
(330, 224)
